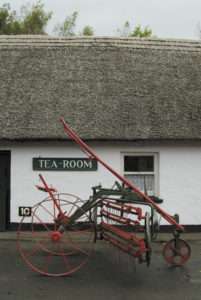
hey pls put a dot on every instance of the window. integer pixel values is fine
(141, 169)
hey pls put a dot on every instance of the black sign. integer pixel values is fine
(24, 211)
(64, 164)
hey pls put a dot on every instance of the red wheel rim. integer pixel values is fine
(175, 257)
(60, 248)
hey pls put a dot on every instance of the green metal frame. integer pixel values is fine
(120, 194)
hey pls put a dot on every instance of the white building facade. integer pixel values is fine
(136, 103)
(176, 176)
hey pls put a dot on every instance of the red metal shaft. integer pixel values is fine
(52, 196)
(92, 154)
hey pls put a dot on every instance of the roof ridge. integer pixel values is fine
(13, 41)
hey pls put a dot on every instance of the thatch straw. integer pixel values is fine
(105, 88)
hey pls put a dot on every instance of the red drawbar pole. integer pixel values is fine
(50, 190)
(91, 154)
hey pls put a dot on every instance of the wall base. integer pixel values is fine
(163, 228)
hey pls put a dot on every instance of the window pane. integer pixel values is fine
(139, 163)
(138, 182)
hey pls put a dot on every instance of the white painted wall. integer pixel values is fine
(179, 174)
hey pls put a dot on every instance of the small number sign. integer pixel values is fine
(24, 211)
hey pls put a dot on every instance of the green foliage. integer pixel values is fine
(141, 32)
(138, 31)
(67, 28)
(33, 19)
(9, 23)
(88, 31)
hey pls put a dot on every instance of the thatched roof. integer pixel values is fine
(105, 88)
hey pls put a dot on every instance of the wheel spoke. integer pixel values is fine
(35, 250)
(54, 208)
(49, 257)
(184, 255)
(34, 234)
(82, 217)
(52, 215)
(85, 231)
(76, 248)
(68, 220)
(71, 210)
(47, 210)
(171, 247)
(42, 222)
(66, 262)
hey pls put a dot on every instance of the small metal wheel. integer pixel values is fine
(148, 238)
(55, 244)
(176, 252)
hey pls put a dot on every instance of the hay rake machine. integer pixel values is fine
(63, 229)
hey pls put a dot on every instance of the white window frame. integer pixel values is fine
(155, 172)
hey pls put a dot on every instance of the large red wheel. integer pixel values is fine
(56, 245)
(43, 206)
(176, 254)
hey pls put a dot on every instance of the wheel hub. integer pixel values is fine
(56, 236)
